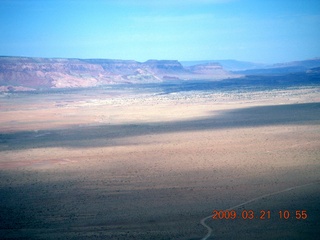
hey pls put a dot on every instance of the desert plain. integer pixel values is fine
(131, 163)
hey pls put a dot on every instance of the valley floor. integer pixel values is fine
(130, 164)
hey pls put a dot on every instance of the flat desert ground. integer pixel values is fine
(131, 164)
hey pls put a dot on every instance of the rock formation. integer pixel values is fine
(46, 73)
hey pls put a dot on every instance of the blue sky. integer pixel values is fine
(267, 31)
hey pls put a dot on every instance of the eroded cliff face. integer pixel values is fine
(165, 66)
(209, 70)
(50, 73)
(46, 73)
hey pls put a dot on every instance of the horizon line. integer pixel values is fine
(153, 59)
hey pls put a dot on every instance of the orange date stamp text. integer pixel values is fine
(262, 214)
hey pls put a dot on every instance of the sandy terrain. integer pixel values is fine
(124, 165)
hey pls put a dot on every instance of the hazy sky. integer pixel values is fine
(253, 30)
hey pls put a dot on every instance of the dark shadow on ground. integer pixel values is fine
(109, 135)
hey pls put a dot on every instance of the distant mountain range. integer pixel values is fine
(229, 65)
(23, 74)
(249, 68)
(28, 74)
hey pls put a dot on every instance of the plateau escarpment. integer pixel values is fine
(208, 69)
(24, 74)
